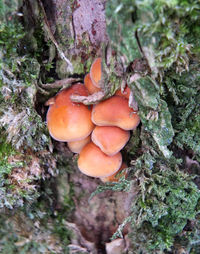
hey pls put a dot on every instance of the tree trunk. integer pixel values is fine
(47, 204)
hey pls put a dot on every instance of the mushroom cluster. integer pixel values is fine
(96, 133)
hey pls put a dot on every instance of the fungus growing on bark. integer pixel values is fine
(110, 139)
(68, 121)
(115, 112)
(95, 72)
(73, 122)
(89, 85)
(93, 162)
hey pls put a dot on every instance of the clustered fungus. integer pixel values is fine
(96, 133)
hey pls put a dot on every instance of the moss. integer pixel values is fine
(6, 150)
(185, 98)
(22, 129)
(16, 184)
(166, 199)
(169, 109)
(19, 73)
(120, 28)
(18, 236)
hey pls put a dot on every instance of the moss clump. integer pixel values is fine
(18, 75)
(182, 91)
(25, 233)
(167, 200)
(168, 101)
(22, 129)
(120, 28)
(17, 174)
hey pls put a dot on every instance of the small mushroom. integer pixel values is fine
(68, 121)
(64, 95)
(115, 112)
(116, 176)
(77, 146)
(95, 72)
(110, 139)
(89, 85)
(93, 162)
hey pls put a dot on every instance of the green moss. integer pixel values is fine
(6, 150)
(22, 129)
(11, 194)
(168, 100)
(120, 28)
(185, 108)
(166, 200)
(18, 236)
(133, 144)
(19, 73)
(79, 67)
(154, 113)
(168, 103)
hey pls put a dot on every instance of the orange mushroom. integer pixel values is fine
(110, 139)
(89, 85)
(93, 162)
(115, 112)
(68, 121)
(95, 72)
(64, 95)
(77, 146)
(116, 176)
(125, 93)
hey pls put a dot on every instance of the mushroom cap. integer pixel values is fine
(95, 72)
(115, 112)
(116, 176)
(89, 85)
(77, 146)
(63, 96)
(125, 93)
(93, 162)
(110, 139)
(68, 121)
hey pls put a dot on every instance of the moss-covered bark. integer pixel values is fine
(154, 47)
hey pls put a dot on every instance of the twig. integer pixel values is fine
(60, 83)
(88, 100)
(139, 44)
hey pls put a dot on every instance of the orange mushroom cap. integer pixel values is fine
(77, 146)
(116, 176)
(93, 162)
(64, 95)
(68, 121)
(115, 112)
(89, 85)
(125, 93)
(110, 139)
(95, 72)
